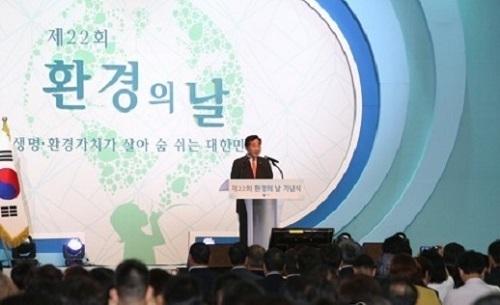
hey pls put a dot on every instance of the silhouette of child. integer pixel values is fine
(128, 220)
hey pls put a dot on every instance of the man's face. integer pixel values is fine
(254, 148)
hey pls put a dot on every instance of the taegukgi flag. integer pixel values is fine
(14, 221)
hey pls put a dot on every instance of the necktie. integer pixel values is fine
(253, 163)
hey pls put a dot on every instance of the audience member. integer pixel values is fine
(255, 259)
(331, 257)
(472, 267)
(131, 284)
(238, 257)
(439, 279)
(393, 245)
(493, 276)
(404, 266)
(158, 280)
(358, 288)
(82, 290)
(350, 251)
(364, 264)
(104, 277)
(75, 271)
(184, 290)
(492, 299)
(400, 291)
(238, 292)
(21, 274)
(291, 268)
(274, 262)
(199, 257)
(309, 258)
(451, 252)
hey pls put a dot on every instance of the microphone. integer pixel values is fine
(271, 159)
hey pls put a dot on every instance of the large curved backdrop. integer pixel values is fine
(126, 116)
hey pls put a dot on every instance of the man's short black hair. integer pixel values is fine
(274, 259)
(131, 280)
(200, 253)
(251, 138)
(350, 250)
(256, 256)
(238, 253)
(494, 251)
(471, 262)
(183, 289)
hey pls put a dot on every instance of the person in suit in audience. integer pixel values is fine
(350, 251)
(250, 166)
(472, 267)
(493, 276)
(238, 256)
(131, 284)
(255, 259)
(274, 262)
(198, 259)
(364, 264)
(183, 290)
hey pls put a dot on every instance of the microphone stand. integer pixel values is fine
(275, 165)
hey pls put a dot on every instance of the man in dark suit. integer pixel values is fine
(493, 276)
(238, 257)
(199, 256)
(251, 166)
(274, 262)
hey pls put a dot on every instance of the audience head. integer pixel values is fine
(331, 256)
(309, 258)
(350, 250)
(82, 290)
(401, 292)
(48, 272)
(274, 260)
(199, 254)
(131, 283)
(256, 257)
(437, 271)
(364, 264)
(239, 291)
(183, 290)
(238, 254)
(451, 252)
(75, 271)
(104, 276)
(21, 274)
(471, 264)
(158, 280)
(404, 266)
(396, 244)
(291, 262)
(358, 288)
(494, 253)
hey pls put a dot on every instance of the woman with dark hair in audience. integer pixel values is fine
(404, 266)
(438, 277)
(451, 252)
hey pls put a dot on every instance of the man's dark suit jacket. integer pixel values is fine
(242, 169)
(493, 277)
(207, 279)
(272, 283)
(245, 274)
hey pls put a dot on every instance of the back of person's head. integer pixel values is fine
(451, 252)
(291, 262)
(104, 277)
(404, 266)
(331, 255)
(7, 287)
(183, 290)
(81, 290)
(309, 258)
(401, 292)
(494, 251)
(256, 256)
(200, 253)
(21, 274)
(158, 280)
(75, 271)
(350, 250)
(471, 262)
(45, 289)
(239, 291)
(48, 272)
(437, 271)
(364, 264)
(274, 260)
(396, 244)
(298, 289)
(493, 299)
(131, 282)
(359, 288)
(237, 253)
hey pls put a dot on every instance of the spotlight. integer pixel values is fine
(74, 252)
(25, 252)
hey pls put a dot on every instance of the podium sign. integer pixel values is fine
(266, 189)
(263, 201)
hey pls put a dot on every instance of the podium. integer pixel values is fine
(264, 201)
